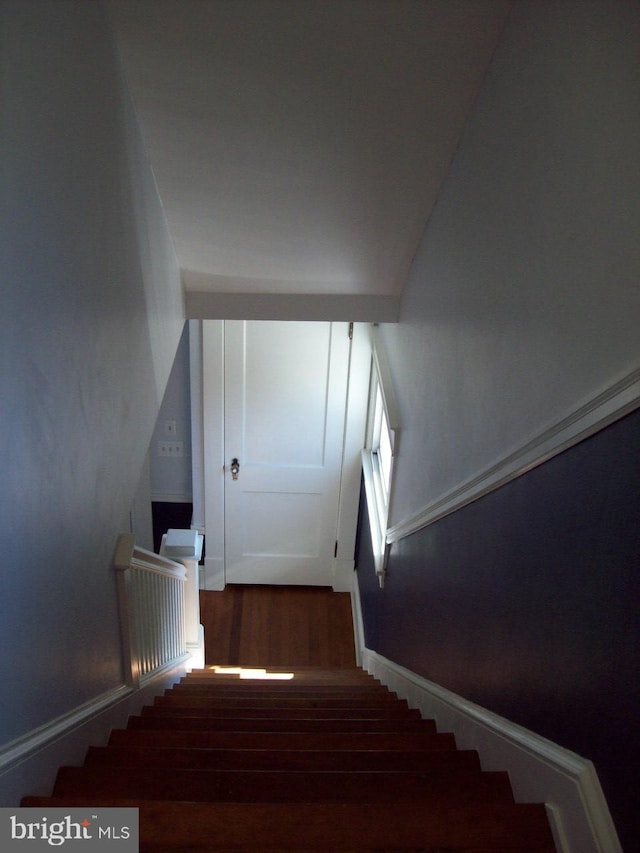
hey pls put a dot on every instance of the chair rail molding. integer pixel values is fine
(30, 762)
(600, 411)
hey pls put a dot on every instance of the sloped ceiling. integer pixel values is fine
(299, 145)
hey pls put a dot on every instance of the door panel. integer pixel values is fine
(285, 394)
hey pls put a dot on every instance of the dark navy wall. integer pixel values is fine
(526, 602)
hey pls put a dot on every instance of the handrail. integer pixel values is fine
(127, 552)
(151, 605)
(150, 562)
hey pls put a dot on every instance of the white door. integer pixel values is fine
(285, 387)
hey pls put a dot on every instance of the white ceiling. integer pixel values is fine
(299, 145)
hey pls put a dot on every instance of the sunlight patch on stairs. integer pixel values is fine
(249, 672)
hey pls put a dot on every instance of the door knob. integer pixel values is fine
(235, 469)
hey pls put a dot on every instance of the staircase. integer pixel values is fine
(328, 761)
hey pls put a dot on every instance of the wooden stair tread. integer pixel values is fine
(284, 785)
(321, 848)
(211, 698)
(355, 688)
(208, 723)
(379, 712)
(302, 688)
(312, 740)
(182, 826)
(284, 759)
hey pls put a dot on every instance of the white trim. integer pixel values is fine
(377, 535)
(195, 651)
(29, 764)
(213, 360)
(212, 574)
(197, 424)
(22, 747)
(540, 770)
(605, 408)
(354, 433)
(384, 379)
(357, 619)
(150, 561)
(149, 677)
(379, 502)
(341, 574)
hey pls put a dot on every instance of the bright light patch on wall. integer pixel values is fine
(248, 672)
(378, 455)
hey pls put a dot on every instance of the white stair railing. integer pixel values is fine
(152, 610)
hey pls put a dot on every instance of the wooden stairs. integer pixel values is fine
(329, 760)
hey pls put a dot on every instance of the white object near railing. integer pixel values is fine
(173, 542)
(151, 600)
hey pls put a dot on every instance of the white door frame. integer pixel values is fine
(207, 390)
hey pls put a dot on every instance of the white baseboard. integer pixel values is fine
(342, 575)
(212, 574)
(28, 765)
(196, 651)
(358, 621)
(540, 770)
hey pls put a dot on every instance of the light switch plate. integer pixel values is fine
(170, 448)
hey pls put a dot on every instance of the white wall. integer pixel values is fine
(171, 476)
(91, 312)
(524, 299)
